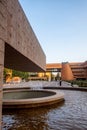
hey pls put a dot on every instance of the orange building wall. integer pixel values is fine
(85, 67)
(70, 71)
(78, 70)
(53, 65)
(66, 72)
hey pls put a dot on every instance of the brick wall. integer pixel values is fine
(16, 30)
(1, 76)
(17, 34)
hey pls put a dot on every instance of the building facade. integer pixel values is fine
(19, 46)
(65, 71)
(70, 71)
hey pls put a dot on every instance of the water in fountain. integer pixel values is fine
(35, 85)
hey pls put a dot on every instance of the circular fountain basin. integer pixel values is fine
(31, 98)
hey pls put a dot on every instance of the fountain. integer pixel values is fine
(26, 98)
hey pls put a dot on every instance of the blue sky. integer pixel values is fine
(60, 26)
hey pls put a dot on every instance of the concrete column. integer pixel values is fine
(1, 76)
(66, 72)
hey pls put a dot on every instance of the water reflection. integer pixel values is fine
(27, 119)
(68, 115)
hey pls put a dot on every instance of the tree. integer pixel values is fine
(12, 73)
(23, 75)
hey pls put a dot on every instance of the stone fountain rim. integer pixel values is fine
(42, 101)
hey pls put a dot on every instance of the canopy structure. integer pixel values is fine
(19, 46)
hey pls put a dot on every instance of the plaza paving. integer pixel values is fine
(39, 84)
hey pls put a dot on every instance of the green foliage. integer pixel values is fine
(7, 72)
(13, 73)
(4, 73)
(80, 83)
(23, 75)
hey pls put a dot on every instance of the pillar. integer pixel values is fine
(1, 77)
(66, 72)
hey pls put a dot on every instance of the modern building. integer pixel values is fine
(19, 46)
(65, 71)
(69, 71)
(79, 70)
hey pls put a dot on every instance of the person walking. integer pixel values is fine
(60, 82)
(72, 84)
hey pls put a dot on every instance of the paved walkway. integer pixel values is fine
(38, 84)
(35, 85)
